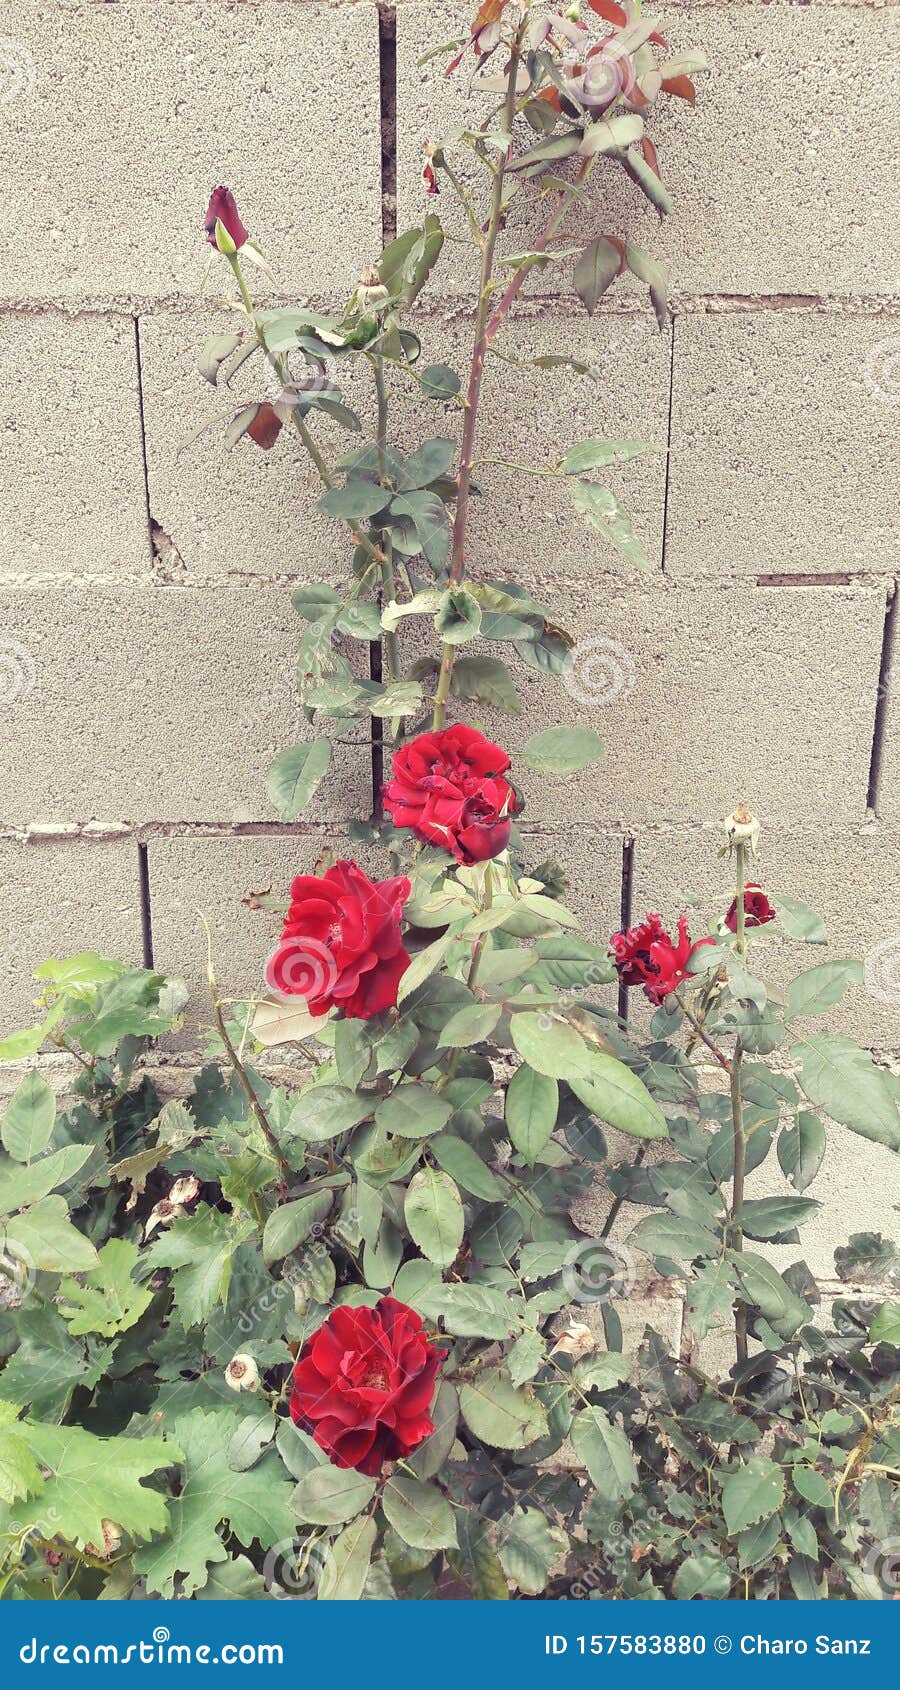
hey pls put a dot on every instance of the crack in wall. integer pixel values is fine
(882, 702)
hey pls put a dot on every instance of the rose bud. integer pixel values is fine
(429, 175)
(222, 223)
(757, 909)
(242, 1373)
(742, 828)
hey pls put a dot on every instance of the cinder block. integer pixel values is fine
(530, 416)
(244, 511)
(59, 899)
(165, 704)
(772, 191)
(701, 696)
(194, 878)
(72, 489)
(784, 448)
(126, 117)
(849, 877)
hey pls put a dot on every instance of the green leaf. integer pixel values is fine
(434, 1215)
(347, 1565)
(433, 1451)
(562, 751)
(465, 1166)
(88, 1480)
(615, 1095)
(801, 1147)
(107, 1300)
(597, 268)
(885, 1328)
(28, 1121)
(24, 1183)
(20, 1475)
(476, 1561)
(407, 262)
(798, 920)
(328, 1496)
(528, 1546)
(608, 517)
(549, 1047)
(606, 1453)
(424, 964)
(358, 501)
(438, 381)
(674, 1236)
(844, 1081)
(256, 1505)
(413, 1111)
(217, 350)
(486, 680)
(500, 1414)
(812, 1486)
(459, 617)
(763, 1287)
(569, 962)
(429, 517)
(470, 1025)
(294, 776)
(403, 698)
(233, 1581)
(419, 1514)
(818, 989)
(599, 454)
(532, 1104)
(611, 134)
(468, 1311)
(48, 1364)
(200, 1249)
(752, 1493)
(325, 1111)
(766, 1217)
(45, 1237)
(710, 1299)
(288, 1225)
(703, 1575)
(643, 265)
(526, 1357)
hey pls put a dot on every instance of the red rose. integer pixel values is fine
(757, 909)
(450, 789)
(646, 956)
(223, 209)
(342, 945)
(363, 1385)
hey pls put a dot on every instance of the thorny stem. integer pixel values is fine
(476, 373)
(359, 534)
(699, 1029)
(736, 1236)
(259, 1113)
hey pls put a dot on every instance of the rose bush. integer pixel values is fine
(350, 1324)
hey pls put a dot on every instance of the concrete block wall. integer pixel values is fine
(147, 641)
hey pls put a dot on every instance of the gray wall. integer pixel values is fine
(146, 634)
